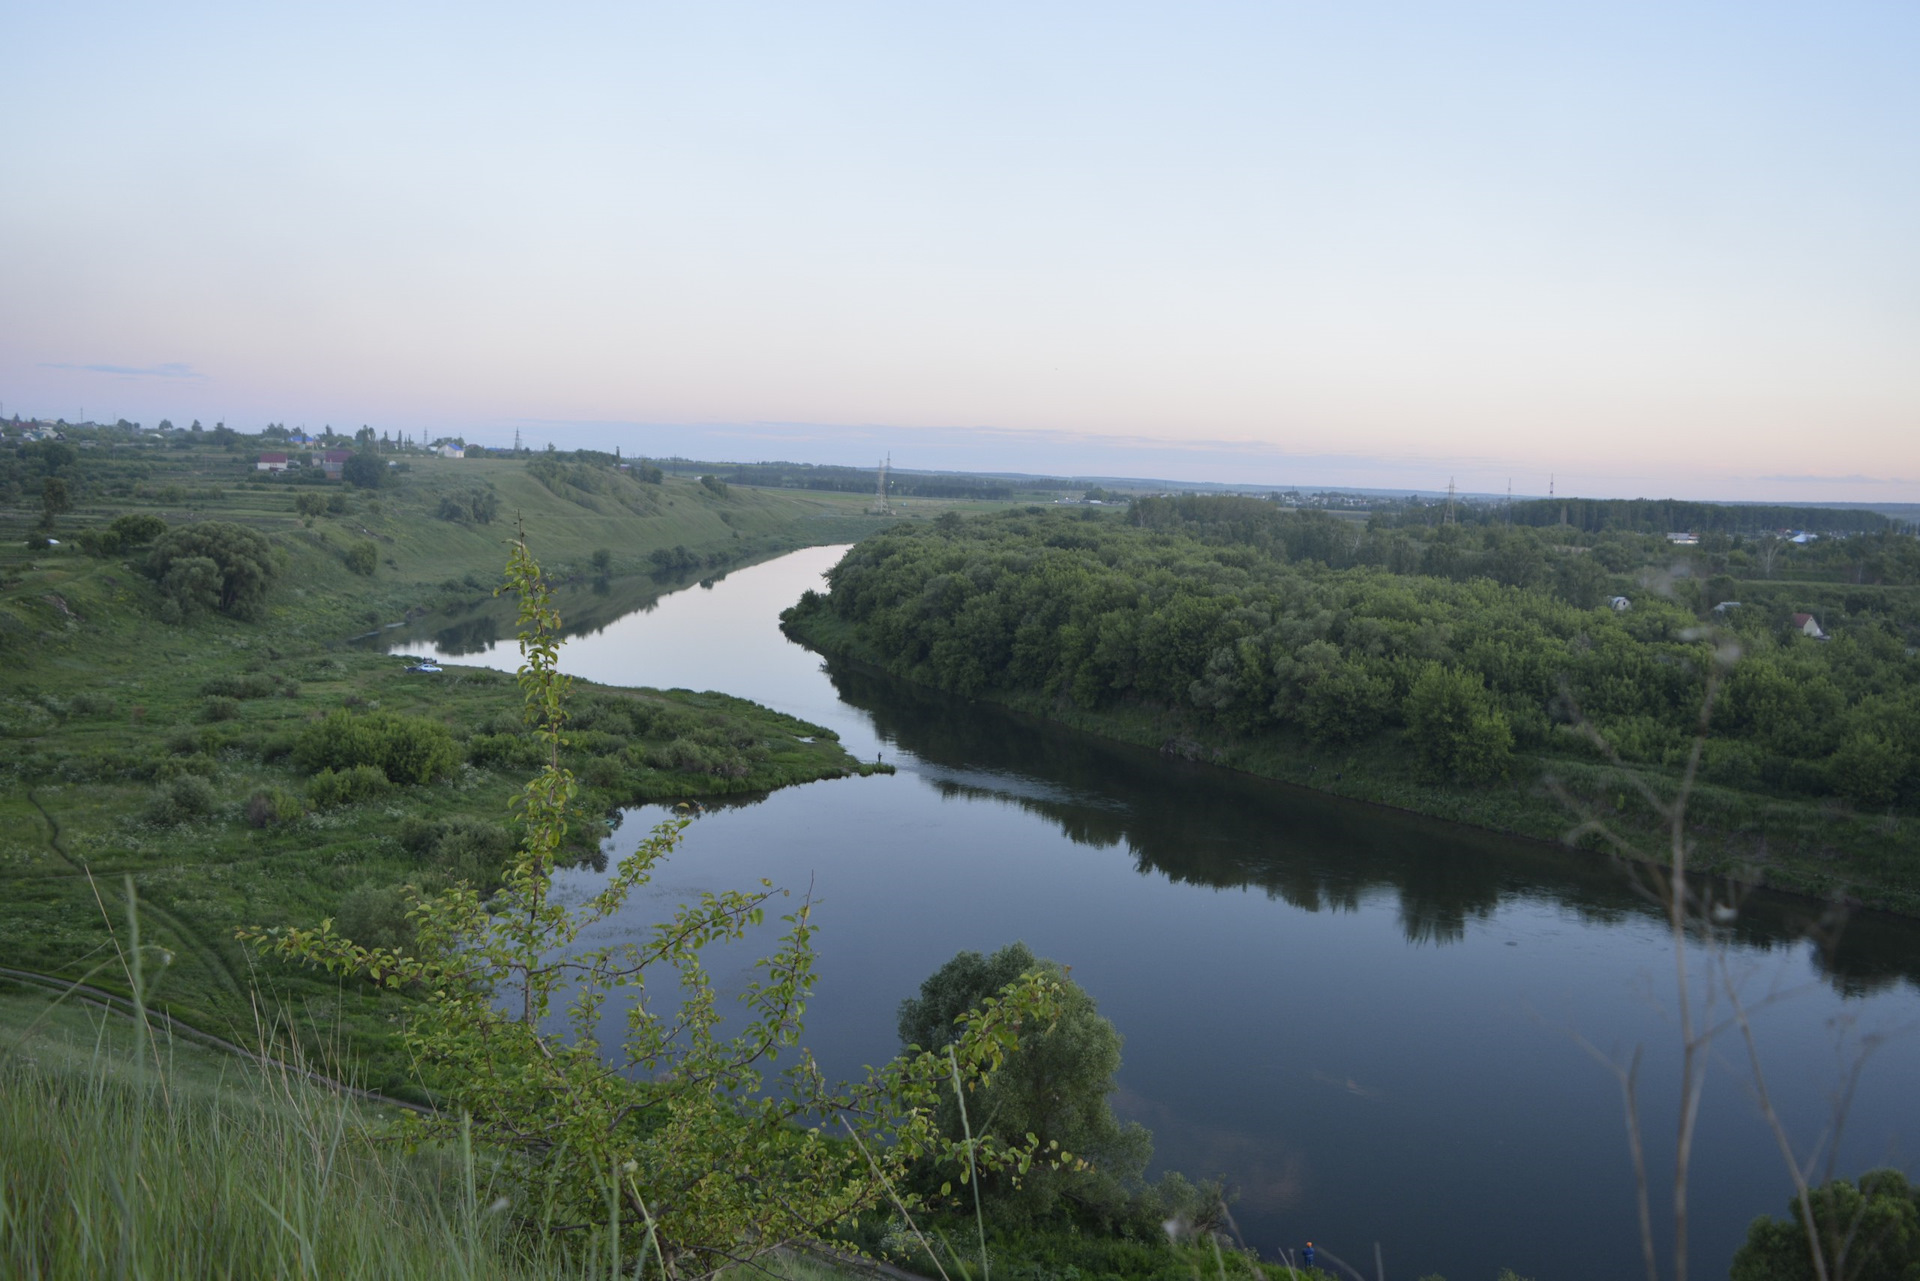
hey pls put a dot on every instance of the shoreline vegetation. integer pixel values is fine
(180, 702)
(1504, 693)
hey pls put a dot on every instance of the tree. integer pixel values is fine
(363, 558)
(192, 585)
(602, 561)
(1454, 726)
(1868, 1232)
(364, 470)
(54, 500)
(242, 557)
(666, 1146)
(1053, 1087)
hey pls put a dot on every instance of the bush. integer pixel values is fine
(363, 558)
(180, 801)
(355, 783)
(272, 805)
(376, 916)
(241, 685)
(218, 707)
(406, 749)
(504, 751)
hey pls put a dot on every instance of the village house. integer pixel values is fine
(333, 460)
(1619, 604)
(451, 450)
(271, 462)
(1808, 627)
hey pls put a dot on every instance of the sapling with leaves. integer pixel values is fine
(675, 1141)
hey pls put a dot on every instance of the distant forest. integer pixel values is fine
(1673, 515)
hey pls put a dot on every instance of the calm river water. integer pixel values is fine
(1377, 1028)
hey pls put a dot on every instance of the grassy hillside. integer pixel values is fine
(143, 742)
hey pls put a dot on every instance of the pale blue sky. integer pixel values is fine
(1652, 248)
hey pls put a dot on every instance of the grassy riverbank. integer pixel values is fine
(166, 746)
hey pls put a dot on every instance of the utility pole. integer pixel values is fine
(1449, 519)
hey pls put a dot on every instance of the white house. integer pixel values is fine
(271, 462)
(452, 451)
(1808, 627)
(1619, 604)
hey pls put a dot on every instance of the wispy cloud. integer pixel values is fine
(172, 369)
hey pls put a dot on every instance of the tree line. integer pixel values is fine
(1245, 624)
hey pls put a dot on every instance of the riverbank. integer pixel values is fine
(166, 747)
(1819, 849)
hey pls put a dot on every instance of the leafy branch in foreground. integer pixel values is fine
(672, 1139)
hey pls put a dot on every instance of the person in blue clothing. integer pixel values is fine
(1306, 1255)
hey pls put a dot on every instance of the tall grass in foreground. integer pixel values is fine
(112, 1167)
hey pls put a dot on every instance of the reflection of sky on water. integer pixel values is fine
(1370, 1023)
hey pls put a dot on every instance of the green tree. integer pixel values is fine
(602, 561)
(137, 529)
(242, 557)
(1455, 728)
(1054, 1087)
(1868, 1232)
(54, 500)
(363, 558)
(364, 469)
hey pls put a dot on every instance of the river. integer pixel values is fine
(1377, 1028)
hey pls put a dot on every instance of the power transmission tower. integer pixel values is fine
(1449, 519)
(880, 506)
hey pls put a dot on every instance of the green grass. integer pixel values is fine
(106, 712)
(130, 1155)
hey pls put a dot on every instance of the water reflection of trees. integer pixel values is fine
(1199, 825)
(587, 609)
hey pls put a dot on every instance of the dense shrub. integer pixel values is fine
(363, 558)
(468, 849)
(504, 751)
(406, 749)
(181, 800)
(272, 805)
(376, 916)
(241, 685)
(346, 786)
(218, 707)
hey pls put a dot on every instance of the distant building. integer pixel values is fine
(1808, 627)
(1726, 605)
(1684, 539)
(333, 460)
(1619, 604)
(451, 451)
(271, 462)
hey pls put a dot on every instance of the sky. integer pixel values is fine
(1625, 249)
